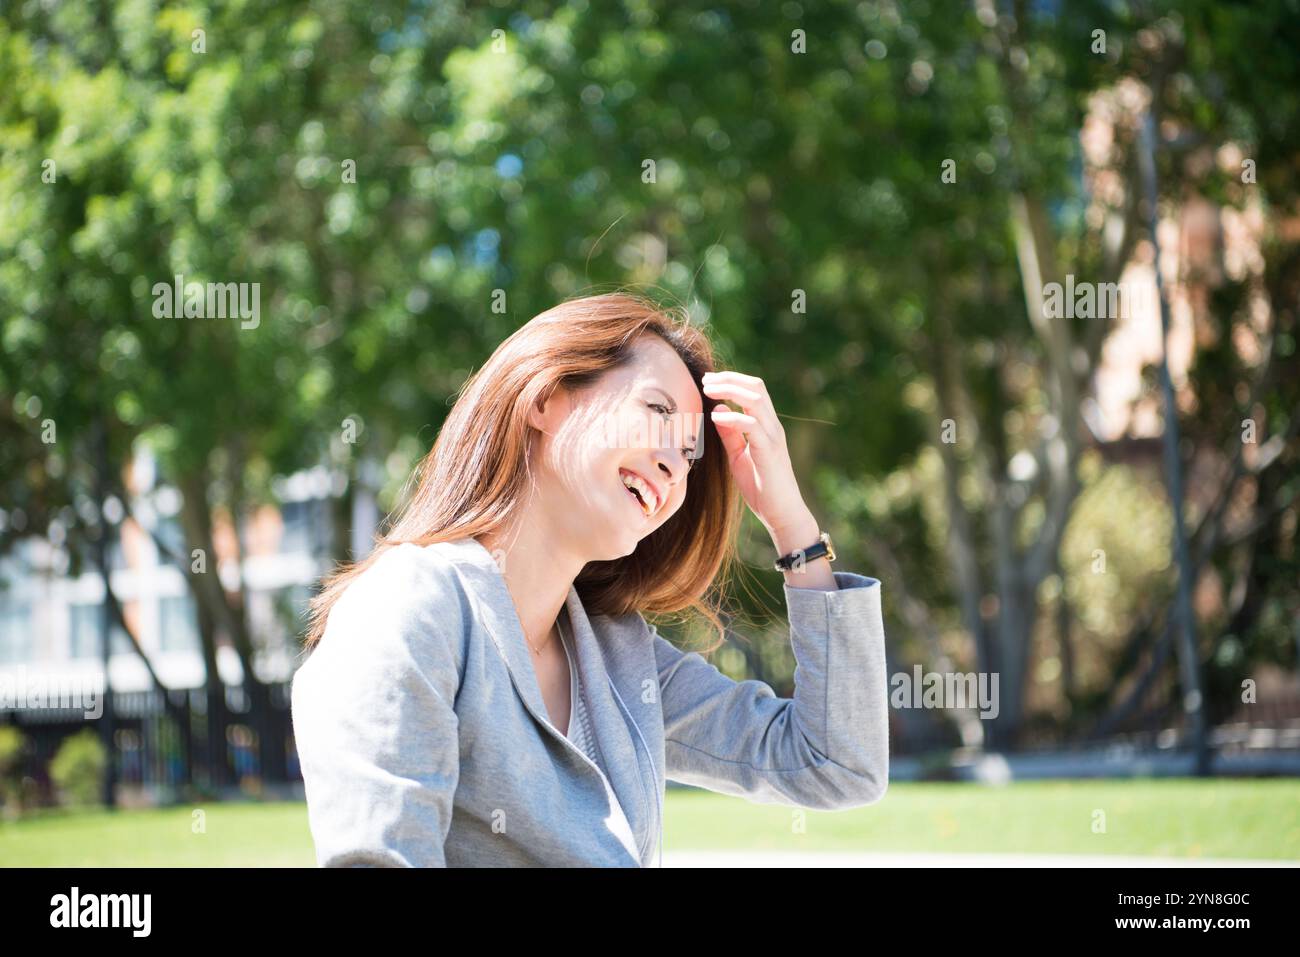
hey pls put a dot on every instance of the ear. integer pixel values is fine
(546, 411)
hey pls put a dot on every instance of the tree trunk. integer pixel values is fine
(205, 585)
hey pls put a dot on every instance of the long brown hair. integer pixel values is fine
(473, 479)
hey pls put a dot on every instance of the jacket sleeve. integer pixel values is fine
(827, 747)
(374, 721)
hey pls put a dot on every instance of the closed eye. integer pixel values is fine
(663, 410)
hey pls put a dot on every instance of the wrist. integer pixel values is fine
(799, 532)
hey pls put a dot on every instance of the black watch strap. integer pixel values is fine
(821, 547)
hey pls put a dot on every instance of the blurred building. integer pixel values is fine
(52, 618)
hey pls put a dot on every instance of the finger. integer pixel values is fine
(731, 428)
(724, 416)
(751, 382)
(755, 385)
(728, 390)
(754, 403)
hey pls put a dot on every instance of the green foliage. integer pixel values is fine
(78, 767)
(12, 743)
(519, 167)
(1115, 556)
(11, 747)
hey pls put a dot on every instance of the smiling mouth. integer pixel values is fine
(641, 491)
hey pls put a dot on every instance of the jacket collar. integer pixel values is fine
(598, 663)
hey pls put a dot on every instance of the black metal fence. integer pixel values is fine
(163, 753)
(164, 749)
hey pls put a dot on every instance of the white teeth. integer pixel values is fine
(647, 495)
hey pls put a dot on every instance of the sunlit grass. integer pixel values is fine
(1165, 818)
(1159, 818)
(225, 835)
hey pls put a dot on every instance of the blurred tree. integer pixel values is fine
(863, 202)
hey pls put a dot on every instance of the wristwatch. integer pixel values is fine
(823, 546)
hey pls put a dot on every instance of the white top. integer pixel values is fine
(579, 731)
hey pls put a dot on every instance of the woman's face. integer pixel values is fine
(613, 461)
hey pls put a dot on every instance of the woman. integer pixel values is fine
(483, 688)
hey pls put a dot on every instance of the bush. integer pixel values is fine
(78, 768)
(11, 752)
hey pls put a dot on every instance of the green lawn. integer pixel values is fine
(1157, 818)
(1167, 818)
(233, 835)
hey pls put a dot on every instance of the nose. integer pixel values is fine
(671, 464)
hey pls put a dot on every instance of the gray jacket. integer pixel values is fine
(424, 739)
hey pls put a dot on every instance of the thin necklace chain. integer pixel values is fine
(538, 651)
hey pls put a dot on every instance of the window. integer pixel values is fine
(177, 628)
(306, 525)
(290, 605)
(88, 553)
(16, 639)
(116, 554)
(171, 534)
(84, 632)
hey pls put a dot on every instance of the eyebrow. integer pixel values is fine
(672, 408)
